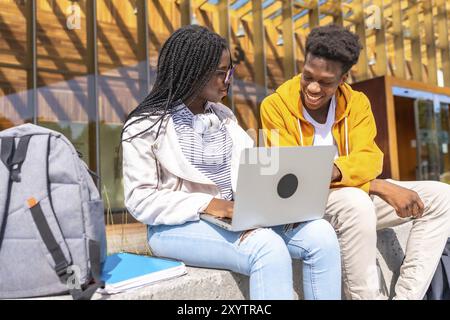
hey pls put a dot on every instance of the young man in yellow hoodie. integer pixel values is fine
(317, 107)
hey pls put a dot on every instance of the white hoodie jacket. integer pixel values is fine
(160, 185)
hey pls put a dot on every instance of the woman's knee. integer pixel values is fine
(319, 235)
(264, 243)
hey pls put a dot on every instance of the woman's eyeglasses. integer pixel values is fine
(227, 75)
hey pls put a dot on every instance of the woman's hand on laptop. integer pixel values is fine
(220, 208)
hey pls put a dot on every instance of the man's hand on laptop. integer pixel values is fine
(220, 208)
(336, 175)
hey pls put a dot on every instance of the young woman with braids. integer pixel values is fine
(181, 150)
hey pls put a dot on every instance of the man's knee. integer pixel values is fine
(354, 197)
(437, 197)
(354, 208)
(442, 190)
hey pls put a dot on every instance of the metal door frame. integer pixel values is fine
(417, 95)
(434, 137)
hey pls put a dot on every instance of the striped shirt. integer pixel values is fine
(210, 152)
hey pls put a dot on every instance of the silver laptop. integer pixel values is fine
(278, 186)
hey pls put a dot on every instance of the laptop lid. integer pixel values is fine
(282, 185)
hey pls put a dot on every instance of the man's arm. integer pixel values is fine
(365, 160)
(406, 203)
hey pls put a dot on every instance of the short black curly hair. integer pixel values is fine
(335, 43)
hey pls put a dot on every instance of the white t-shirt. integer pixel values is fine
(322, 131)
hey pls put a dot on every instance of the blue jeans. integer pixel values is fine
(264, 255)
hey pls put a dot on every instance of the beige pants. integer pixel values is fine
(356, 216)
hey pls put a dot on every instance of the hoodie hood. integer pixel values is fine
(289, 92)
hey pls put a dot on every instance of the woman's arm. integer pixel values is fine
(144, 200)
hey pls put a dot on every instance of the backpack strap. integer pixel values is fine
(13, 158)
(6, 153)
(7, 150)
(61, 263)
(94, 257)
(19, 157)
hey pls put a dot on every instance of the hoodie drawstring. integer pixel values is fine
(346, 135)
(301, 134)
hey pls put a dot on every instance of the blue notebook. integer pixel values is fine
(126, 271)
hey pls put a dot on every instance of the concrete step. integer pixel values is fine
(212, 284)
(206, 284)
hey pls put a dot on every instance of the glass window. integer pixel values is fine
(120, 88)
(13, 98)
(62, 98)
(14, 109)
(427, 140)
(444, 143)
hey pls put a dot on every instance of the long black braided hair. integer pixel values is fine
(186, 63)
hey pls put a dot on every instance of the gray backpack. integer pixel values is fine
(52, 230)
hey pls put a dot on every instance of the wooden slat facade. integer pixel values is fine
(61, 52)
(412, 43)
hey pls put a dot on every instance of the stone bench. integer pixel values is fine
(206, 284)
(212, 284)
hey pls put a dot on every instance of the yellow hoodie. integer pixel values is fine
(354, 130)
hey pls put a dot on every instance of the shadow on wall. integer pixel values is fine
(64, 107)
(5, 123)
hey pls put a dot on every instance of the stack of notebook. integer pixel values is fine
(124, 271)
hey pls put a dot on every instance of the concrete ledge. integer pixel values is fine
(197, 284)
(391, 244)
(212, 284)
(208, 284)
